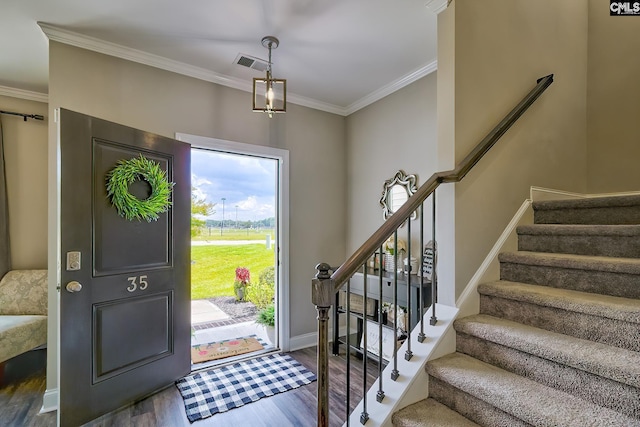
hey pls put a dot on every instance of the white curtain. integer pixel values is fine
(5, 247)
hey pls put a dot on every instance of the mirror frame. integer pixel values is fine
(404, 180)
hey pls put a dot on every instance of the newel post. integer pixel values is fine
(322, 295)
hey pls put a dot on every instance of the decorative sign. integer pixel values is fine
(429, 260)
(388, 340)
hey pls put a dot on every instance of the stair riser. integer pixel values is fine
(599, 282)
(614, 246)
(598, 329)
(593, 388)
(471, 407)
(604, 215)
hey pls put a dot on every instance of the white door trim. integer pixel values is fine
(282, 239)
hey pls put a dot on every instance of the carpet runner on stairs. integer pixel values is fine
(557, 340)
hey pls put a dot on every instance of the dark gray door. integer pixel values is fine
(126, 332)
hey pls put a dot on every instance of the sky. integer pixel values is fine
(244, 181)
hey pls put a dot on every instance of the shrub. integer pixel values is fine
(262, 293)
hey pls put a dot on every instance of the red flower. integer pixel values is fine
(242, 275)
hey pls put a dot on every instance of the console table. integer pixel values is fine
(373, 293)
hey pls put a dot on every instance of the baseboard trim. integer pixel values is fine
(311, 339)
(303, 341)
(49, 401)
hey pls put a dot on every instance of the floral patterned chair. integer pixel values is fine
(23, 312)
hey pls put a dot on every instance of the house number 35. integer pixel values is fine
(137, 283)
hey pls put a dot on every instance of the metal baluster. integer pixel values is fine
(434, 277)
(421, 335)
(394, 373)
(408, 354)
(380, 394)
(364, 416)
(348, 373)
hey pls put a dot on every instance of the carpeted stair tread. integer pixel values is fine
(527, 400)
(580, 230)
(606, 361)
(588, 203)
(617, 308)
(594, 240)
(604, 210)
(576, 262)
(430, 413)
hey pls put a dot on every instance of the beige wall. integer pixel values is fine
(165, 103)
(397, 132)
(501, 48)
(25, 148)
(613, 96)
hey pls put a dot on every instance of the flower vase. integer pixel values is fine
(271, 334)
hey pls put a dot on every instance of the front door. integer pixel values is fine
(125, 283)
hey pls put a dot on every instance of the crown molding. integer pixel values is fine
(437, 6)
(96, 45)
(100, 46)
(112, 49)
(24, 94)
(392, 87)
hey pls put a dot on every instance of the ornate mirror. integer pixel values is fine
(395, 193)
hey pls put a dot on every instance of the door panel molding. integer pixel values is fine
(155, 332)
(116, 247)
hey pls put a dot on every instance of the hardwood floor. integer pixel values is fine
(21, 391)
(24, 383)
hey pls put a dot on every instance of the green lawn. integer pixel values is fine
(213, 268)
(235, 234)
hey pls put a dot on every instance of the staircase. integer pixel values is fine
(557, 340)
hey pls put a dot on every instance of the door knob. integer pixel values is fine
(74, 286)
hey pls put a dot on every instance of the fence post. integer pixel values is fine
(322, 295)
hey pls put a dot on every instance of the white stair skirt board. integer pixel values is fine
(410, 371)
(540, 193)
(489, 270)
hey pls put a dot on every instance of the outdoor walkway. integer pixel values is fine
(210, 324)
(229, 242)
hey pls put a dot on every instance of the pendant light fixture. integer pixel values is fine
(269, 94)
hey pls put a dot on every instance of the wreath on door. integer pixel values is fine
(129, 206)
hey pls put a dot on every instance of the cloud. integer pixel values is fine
(247, 182)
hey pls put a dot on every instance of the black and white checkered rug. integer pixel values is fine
(218, 390)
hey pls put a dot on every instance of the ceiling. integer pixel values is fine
(337, 55)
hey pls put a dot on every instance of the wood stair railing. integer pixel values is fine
(326, 285)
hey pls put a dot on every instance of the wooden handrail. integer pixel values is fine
(360, 256)
(325, 285)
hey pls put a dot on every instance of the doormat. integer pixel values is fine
(227, 348)
(219, 390)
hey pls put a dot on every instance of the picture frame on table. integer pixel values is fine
(388, 341)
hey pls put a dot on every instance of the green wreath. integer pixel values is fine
(129, 206)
